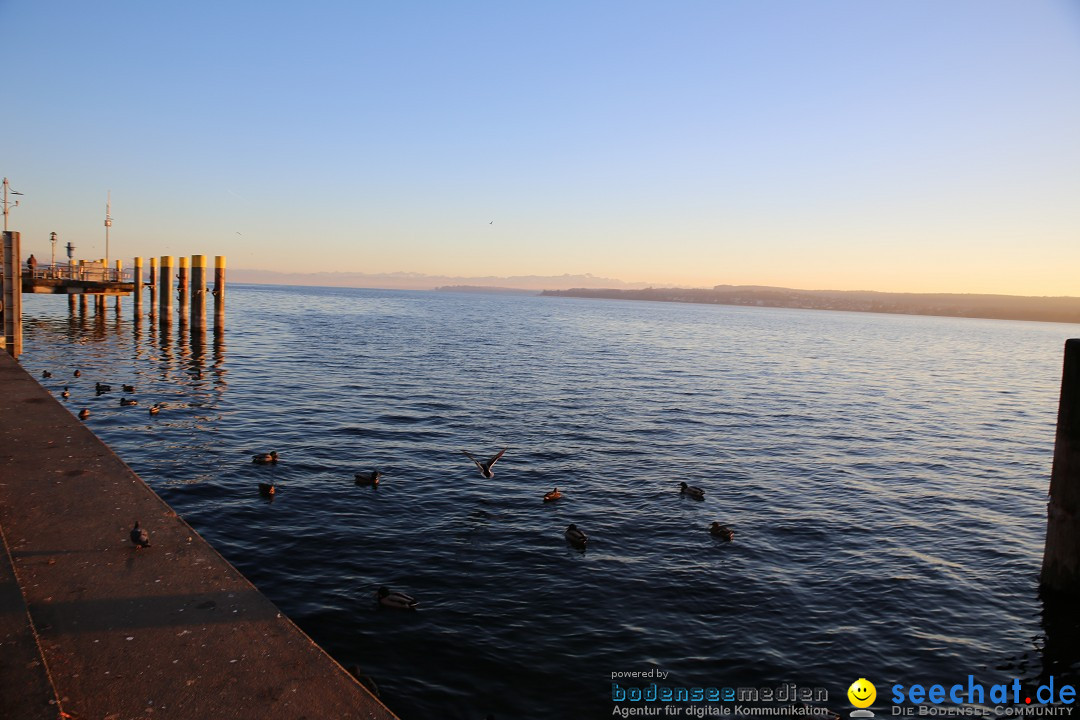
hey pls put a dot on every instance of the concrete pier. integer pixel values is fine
(93, 628)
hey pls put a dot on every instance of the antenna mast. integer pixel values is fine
(108, 224)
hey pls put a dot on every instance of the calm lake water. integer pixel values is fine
(886, 478)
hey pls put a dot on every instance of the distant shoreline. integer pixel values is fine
(990, 307)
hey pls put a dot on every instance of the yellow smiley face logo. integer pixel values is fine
(862, 693)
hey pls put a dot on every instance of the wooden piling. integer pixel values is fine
(82, 303)
(137, 279)
(198, 291)
(182, 287)
(12, 294)
(153, 285)
(219, 290)
(1061, 558)
(165, 285)
(72, 303)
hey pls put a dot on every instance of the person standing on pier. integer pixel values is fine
(31, 264)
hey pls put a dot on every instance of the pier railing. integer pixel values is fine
(93, 272)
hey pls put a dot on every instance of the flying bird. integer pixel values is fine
(485, 467)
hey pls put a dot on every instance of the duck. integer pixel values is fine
(77, 373)
(155, 408)
(553, 495)
(83, 414)
(128, 388)
(575, 536)
(721, 531)
(396, 600)
(269, 458)
(128, 402)
(694, 492)
(102, 388)
(140, 536)
(368, 478)
(485, 467)
(267, 489)
(66, 393)
(46, 374)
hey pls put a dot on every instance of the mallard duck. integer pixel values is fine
(368, 478)
(102, 388)
(694, 492)
(485, 467)
(721, 531)
(396, 600)
(269, 458)
(46, 374)
(66, 393)
(128, 388)
(155, 409)
(77, 373)
(575, 536)
(128, 402)
(139, 536)
(553, 495)
(267, 489)
(83, 414)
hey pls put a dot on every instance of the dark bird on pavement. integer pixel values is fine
(139, 536)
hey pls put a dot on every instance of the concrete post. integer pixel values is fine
(1061, 558)
(12, 297)
(198, 291)
(165, 286)
(219, 291)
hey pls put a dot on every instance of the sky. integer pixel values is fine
(894, 145)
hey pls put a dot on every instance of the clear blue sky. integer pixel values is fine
(889, 144)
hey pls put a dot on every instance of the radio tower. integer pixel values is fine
(108, 224)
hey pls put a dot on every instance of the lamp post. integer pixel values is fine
(7, 188)
(52, 239)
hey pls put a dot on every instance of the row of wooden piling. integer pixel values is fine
(191, 289)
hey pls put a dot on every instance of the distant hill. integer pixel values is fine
(419, 281)
(1001, 307)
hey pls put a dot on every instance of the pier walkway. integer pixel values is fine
(91, 628)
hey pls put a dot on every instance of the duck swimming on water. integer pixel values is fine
(553, 495)
(267, 490)
(395, 600)
(694, 492)
(66, 393)
(575, 536)
(83, 414)
(128, 402)
(368, 478)
(721, 531)
(269, 458)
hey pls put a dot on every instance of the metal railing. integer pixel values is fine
(90, 272)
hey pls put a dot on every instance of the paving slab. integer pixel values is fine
(169, 631)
